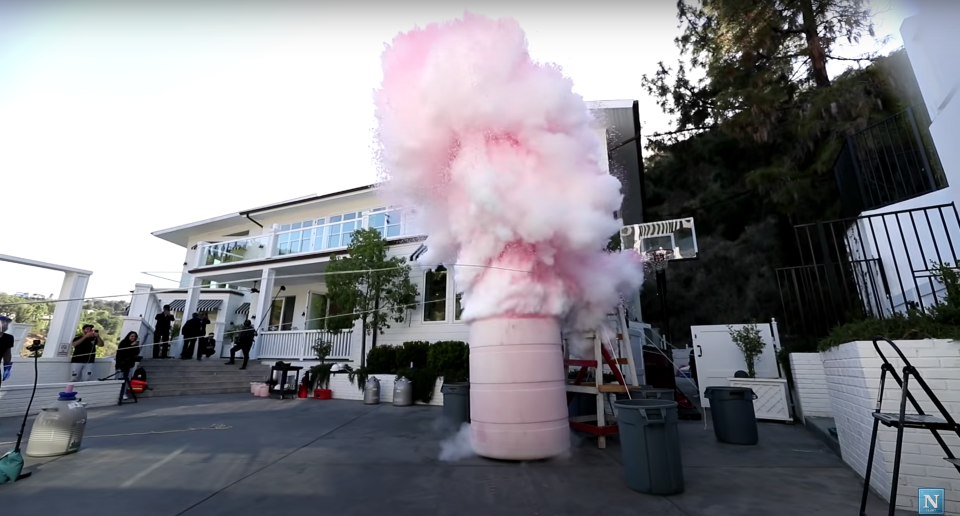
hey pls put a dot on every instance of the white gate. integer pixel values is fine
(718, 357)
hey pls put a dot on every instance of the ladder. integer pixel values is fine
(598, 424)
(901, 420)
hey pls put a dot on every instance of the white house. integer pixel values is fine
(268, 263)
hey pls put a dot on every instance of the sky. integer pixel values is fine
(118, 121)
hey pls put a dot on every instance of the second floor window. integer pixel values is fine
(341, 228)
(295, 237)
(386, 221)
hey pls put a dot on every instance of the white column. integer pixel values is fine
(66, 315)
(270, 238)
(264, 303)
(140, 301)
(193, 298)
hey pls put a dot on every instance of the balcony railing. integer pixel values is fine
(310, 238)
(299, 344)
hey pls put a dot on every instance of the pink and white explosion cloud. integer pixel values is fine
(502, 163)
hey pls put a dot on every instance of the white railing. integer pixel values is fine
(298, 344)
(330, 236)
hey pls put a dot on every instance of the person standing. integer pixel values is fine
(128, 351)
(161, 333)
(84, 353)
(6, 348)
(244, 343)
(191, 331)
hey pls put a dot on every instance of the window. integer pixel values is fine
(458, 310)
(295, 237)
(341, 228)
(318, 233)
(435, 295)
(281, 314)
(316, 312)
(386, 221)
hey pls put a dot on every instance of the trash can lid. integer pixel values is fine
(725, 392)
(67, 396)
(643, 404)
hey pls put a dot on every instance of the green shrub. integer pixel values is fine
(413, 352)
(941, 321)
(382, 360)
(450, 359)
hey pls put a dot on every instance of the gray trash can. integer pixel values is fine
(456, 402)
(731, 410)
(650, 442)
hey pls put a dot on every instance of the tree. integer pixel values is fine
(764, 80)
(367, 285)
(23, 310)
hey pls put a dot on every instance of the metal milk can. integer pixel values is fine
(402, 393)
(371, 391)
(58, 430)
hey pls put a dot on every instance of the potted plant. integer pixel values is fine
(320, 373)
(771, 400)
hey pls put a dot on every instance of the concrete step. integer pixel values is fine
(196, 391)
(253, 376)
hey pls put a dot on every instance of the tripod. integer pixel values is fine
(125, 387)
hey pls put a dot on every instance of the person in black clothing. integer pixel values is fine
(6, 348)
(207, 346)
(161, 333)
(127, 352)
(191, 331)
(84, 353)
(244, 342)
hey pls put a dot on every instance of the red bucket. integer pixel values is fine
(322, 394)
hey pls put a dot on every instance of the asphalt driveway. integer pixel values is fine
(238, 455)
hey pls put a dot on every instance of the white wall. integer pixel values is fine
(901, 250)
(931, 40)
(344, 390)
(810, 385)
(51, 370)
(15, 398)
(853, 380)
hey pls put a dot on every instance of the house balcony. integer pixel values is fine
(313, 238)
(299, 344)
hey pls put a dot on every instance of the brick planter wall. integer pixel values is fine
(810, 384)
(852, 373)
(344, 390)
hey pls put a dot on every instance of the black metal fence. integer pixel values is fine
(872, 265)
(889, 162)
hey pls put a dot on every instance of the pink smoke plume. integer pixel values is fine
(504, 168)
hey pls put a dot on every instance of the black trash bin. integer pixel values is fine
(456, 402)
(650, 443)
(732, 413)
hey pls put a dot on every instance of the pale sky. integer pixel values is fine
(119, 121)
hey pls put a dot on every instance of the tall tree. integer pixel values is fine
(367, 285)
(761, 76)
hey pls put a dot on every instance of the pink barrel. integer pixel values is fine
(518, 400)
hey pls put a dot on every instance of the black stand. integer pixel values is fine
(664, 313)
(126, 387)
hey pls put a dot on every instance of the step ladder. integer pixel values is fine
(901, 421)
(598, 424)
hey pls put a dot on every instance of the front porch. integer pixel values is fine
(299, 344)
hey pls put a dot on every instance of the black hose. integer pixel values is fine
(26, 415)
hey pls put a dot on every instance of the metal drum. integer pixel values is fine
(59, 428)
(371, 391)
(402, 393)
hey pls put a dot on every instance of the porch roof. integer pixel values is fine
(204, 305)
(180, 234)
